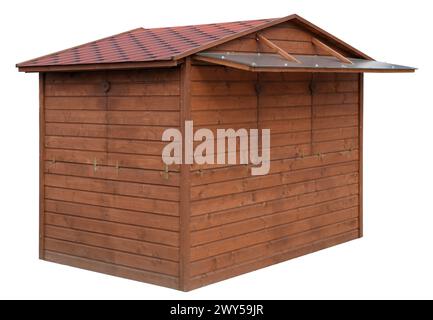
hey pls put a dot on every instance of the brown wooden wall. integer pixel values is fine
(310, 199)
(107, 204)
(288, 36)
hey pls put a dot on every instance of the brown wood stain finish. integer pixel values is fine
(109, 204)
(41, 165)
(106, 203)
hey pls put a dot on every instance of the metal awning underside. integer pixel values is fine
(270, 62)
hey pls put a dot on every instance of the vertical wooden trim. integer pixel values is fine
(312, 88)
(185, 184)
(41, 165)
(361, 151)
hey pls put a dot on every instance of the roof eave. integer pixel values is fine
(99, 66)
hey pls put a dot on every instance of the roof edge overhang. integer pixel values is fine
(100, 66)
(267, 62)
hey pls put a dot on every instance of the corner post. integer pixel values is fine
(41, 165)
(361, 150)
(185, 184)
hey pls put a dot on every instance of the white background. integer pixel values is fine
(395, 257)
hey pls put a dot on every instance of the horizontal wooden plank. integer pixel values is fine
(335, 98)
(258, 182)
(76, 143)
(276, 153)
(334, 76)
(108, 159)
(203, 118)
(281, 33)
(269, 207)
(268, 221)
(136, 132)
(307, 76)
(300, 112)
(220, 73)
(271, 234)
(285, 76)
(170, 208)
(284, 88)
(141, 190)
(291, 151)
(213, 175)
(317, 172)
(74, 90)
(335, 122)
(335, 86)
(230, 201)
(164, 88)
(74, 77)
(283, 126)
(109, 145)
(161, 88)
(126, 231)
(335, 110)
(144, 75)
(290, 138)
(112, 173)
(136, 146)
(75, 103)
(76, 116)
(149, 103)
(76, 130)
(255, 257)
(223, 102)
(251, 45)
(113, 243)
(112, 269)
(158, 118)
(336, 145)
(223, 88)
(285, 100)
(168, 118)
(105, 131)
(116, 76)
(111, 256)
(335, 133)
(137, 218)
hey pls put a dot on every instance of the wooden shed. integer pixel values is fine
(109, 204)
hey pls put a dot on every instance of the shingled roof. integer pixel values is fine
(162, 46)
(139, 45)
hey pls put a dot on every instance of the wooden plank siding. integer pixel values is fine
(311, 197)
(107, 204)
(288, 36)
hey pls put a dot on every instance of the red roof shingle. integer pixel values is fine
(142, 45)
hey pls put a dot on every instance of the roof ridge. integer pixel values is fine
(210, 24)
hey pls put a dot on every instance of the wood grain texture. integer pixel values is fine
(360, 137)
(41, 166)
(112, 269)
(185, 181)
(107, 205)
(238, 219)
